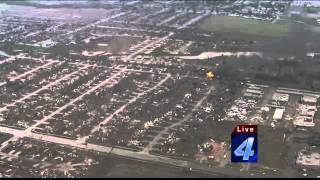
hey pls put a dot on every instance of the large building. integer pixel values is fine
(308, 159)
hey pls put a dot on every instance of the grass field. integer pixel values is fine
(244, 26)
(271, 148)
(116, 167)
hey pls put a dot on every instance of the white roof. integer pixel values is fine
(280, 97)
(278, 114)
(305, 110)
(310, 99)
(312, 159)
(254, 91)
(302, 121)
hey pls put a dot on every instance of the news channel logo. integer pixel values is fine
(244, 143)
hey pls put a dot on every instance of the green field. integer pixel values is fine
(244, 26)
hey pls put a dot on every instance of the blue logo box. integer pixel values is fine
(244, 143)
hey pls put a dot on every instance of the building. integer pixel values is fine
(303, 122)
(311, 100)
(278, 114)
(253, 92)
(280, 99)
(314, 55)
(252, 95)
(305, 117)
(309, 159)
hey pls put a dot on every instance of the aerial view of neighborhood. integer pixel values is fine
(154, 88)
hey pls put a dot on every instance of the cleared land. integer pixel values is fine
(244, 26)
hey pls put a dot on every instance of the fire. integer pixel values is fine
(210, 74)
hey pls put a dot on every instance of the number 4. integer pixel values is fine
(247, 144)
